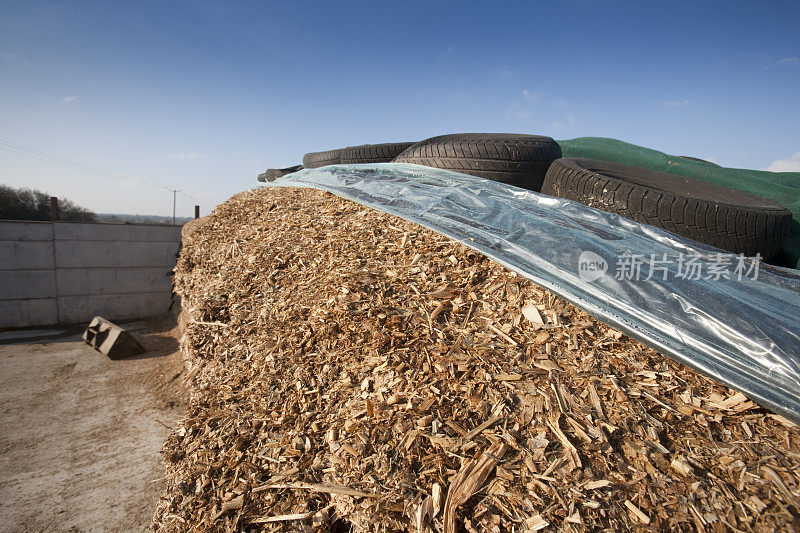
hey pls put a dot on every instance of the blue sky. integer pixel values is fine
(205, 95)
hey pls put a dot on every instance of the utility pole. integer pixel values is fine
(174, 194)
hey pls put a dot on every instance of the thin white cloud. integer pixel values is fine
(676, 103)
(529, 95)
(568, 120)
(69, 99)
(790, 164)
(506, 72)
(12, 57)
(187, 156)
(790, 61)
(517, 111)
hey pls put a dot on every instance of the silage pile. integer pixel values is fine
(349, 369)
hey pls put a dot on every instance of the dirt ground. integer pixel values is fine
(81, 434)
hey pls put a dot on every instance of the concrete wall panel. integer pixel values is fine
(19, 284)
(93, 281)
(80, 309)
(30, 312)
(116, 232)
(109, 254)
(70, 272)
(26, 231)
(22, 255)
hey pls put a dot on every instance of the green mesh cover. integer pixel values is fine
(782, 187)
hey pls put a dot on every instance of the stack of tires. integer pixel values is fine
(516, 159)
(718, 216)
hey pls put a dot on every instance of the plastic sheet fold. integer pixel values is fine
(729, 317)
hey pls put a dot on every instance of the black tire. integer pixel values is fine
(372, 153)
(516, 159)
(271, 174)
(725, 218)
(321, 159)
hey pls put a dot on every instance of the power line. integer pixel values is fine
(39, 155)
(58, 160)
(188, 196)
(49, 160)
(52, 157)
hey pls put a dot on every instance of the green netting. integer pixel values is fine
(782, 187)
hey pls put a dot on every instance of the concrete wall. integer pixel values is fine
(68, 272)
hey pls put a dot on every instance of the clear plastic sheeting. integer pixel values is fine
(723, 315)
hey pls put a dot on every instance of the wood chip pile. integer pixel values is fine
(349, 370)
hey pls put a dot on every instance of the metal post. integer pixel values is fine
(197, 211)
(53, 209)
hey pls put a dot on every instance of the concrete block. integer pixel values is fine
(25, 313)
(19, 255)
(111, 340)
(106, 254)
(81, 309)
(18, 284)
(90, 281)
(76, 231)
(26, 231)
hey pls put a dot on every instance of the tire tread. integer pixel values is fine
(738, 229)
(520, 160)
